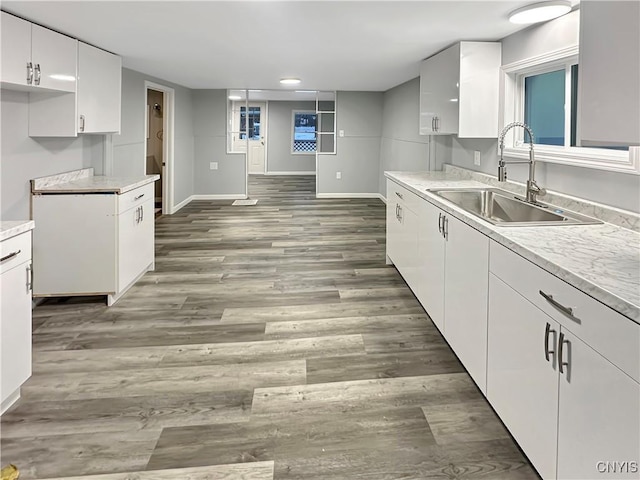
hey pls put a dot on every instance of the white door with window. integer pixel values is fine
(255, 123)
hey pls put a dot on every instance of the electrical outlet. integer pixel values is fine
(339, 175)
(213, 165)
(341, 133)
(476, 157)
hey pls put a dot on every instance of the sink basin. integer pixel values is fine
(500, 207)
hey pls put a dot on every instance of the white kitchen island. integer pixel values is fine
(95, 234)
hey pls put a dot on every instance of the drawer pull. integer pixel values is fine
(566, 310)
(547, 331)
(11, 255)
(138, 197)
(440, 217)
(399, 195)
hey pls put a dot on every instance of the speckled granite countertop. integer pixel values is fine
(83, 181)
(601, 260)
(12, 228)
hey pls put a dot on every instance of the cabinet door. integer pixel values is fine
(599, 417)
(15, 315)
(135, 243)
(430, 263)
(16, 49)
(55, 59)
(99, 90)
(522, 385)
(465, 300)
(409, 247)
(439, 83)
(393, 231)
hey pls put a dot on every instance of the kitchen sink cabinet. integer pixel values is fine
(35, 58)
(442, 260)
(15, 316)
(552, 379)
(459, 91)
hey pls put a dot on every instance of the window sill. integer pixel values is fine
(616, 161)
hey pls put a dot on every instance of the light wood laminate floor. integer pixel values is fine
(271, 341)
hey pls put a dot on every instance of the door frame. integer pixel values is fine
(168, 125)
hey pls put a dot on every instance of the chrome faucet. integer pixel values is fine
(533, 190)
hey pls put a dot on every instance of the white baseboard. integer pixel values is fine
(291, 173)
(383, 198)
(350, 195)
(220, 196)
(183, 203)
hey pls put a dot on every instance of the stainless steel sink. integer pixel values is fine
(500, 207)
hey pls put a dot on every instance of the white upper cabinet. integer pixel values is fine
(459, 91)
(35, 58)
(99, 90)
(609, 96)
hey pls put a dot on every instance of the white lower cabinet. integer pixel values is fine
(92, 244)
(522, 385)
(15, 316)
(575, 414)
(402, 232)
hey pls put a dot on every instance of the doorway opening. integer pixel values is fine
(159, 121)
(155, 142)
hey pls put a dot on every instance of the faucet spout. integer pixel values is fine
(533, 190)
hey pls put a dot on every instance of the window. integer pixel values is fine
(254, 123)
(543, 93)
(304, 132)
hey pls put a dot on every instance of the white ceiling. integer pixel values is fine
(330, 45)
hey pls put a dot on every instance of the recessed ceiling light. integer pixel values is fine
(290, 81)
(235, 97)
(305, 91)
(540, 12)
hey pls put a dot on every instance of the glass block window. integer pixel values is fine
(304, 132)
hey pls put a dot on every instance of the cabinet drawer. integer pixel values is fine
(16, 249)
(614, 336)
(135, 197)
(398, 194)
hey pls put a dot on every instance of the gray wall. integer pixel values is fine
(23, 158)
(359, 114)
(401, 147)
(128, 146)
(279, 156)
(210, 117)
(611, 188)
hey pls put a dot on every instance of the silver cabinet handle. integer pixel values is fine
(399, 195)
(549, 298)
(11, 255)
(547, 331)
(30, 277)
(29, 73)
(137, 214)
(138, 197)
(38, 75)
(561, 363)
(445, 227)
(440, 217)
(397, 214)
(400, 211)
(141, 213)
(433, 124)
(437, 124)
(82, 120)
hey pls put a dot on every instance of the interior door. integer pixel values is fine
(255, 122)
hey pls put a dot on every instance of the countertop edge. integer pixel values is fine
(10, 229)
(604, 296)
(90, 184)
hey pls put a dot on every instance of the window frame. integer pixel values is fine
(513, 81)
(293, 130)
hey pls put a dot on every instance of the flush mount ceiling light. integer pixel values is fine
(235, 97)
(540, 12)
(289, 81)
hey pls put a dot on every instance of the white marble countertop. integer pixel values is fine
(12, 228)
(601, 260)
(97, 184)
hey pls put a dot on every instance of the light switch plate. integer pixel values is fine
(213, 165)
(339, 175)
(341, 133)
(476, 157)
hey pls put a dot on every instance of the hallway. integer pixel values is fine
(271, 341)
